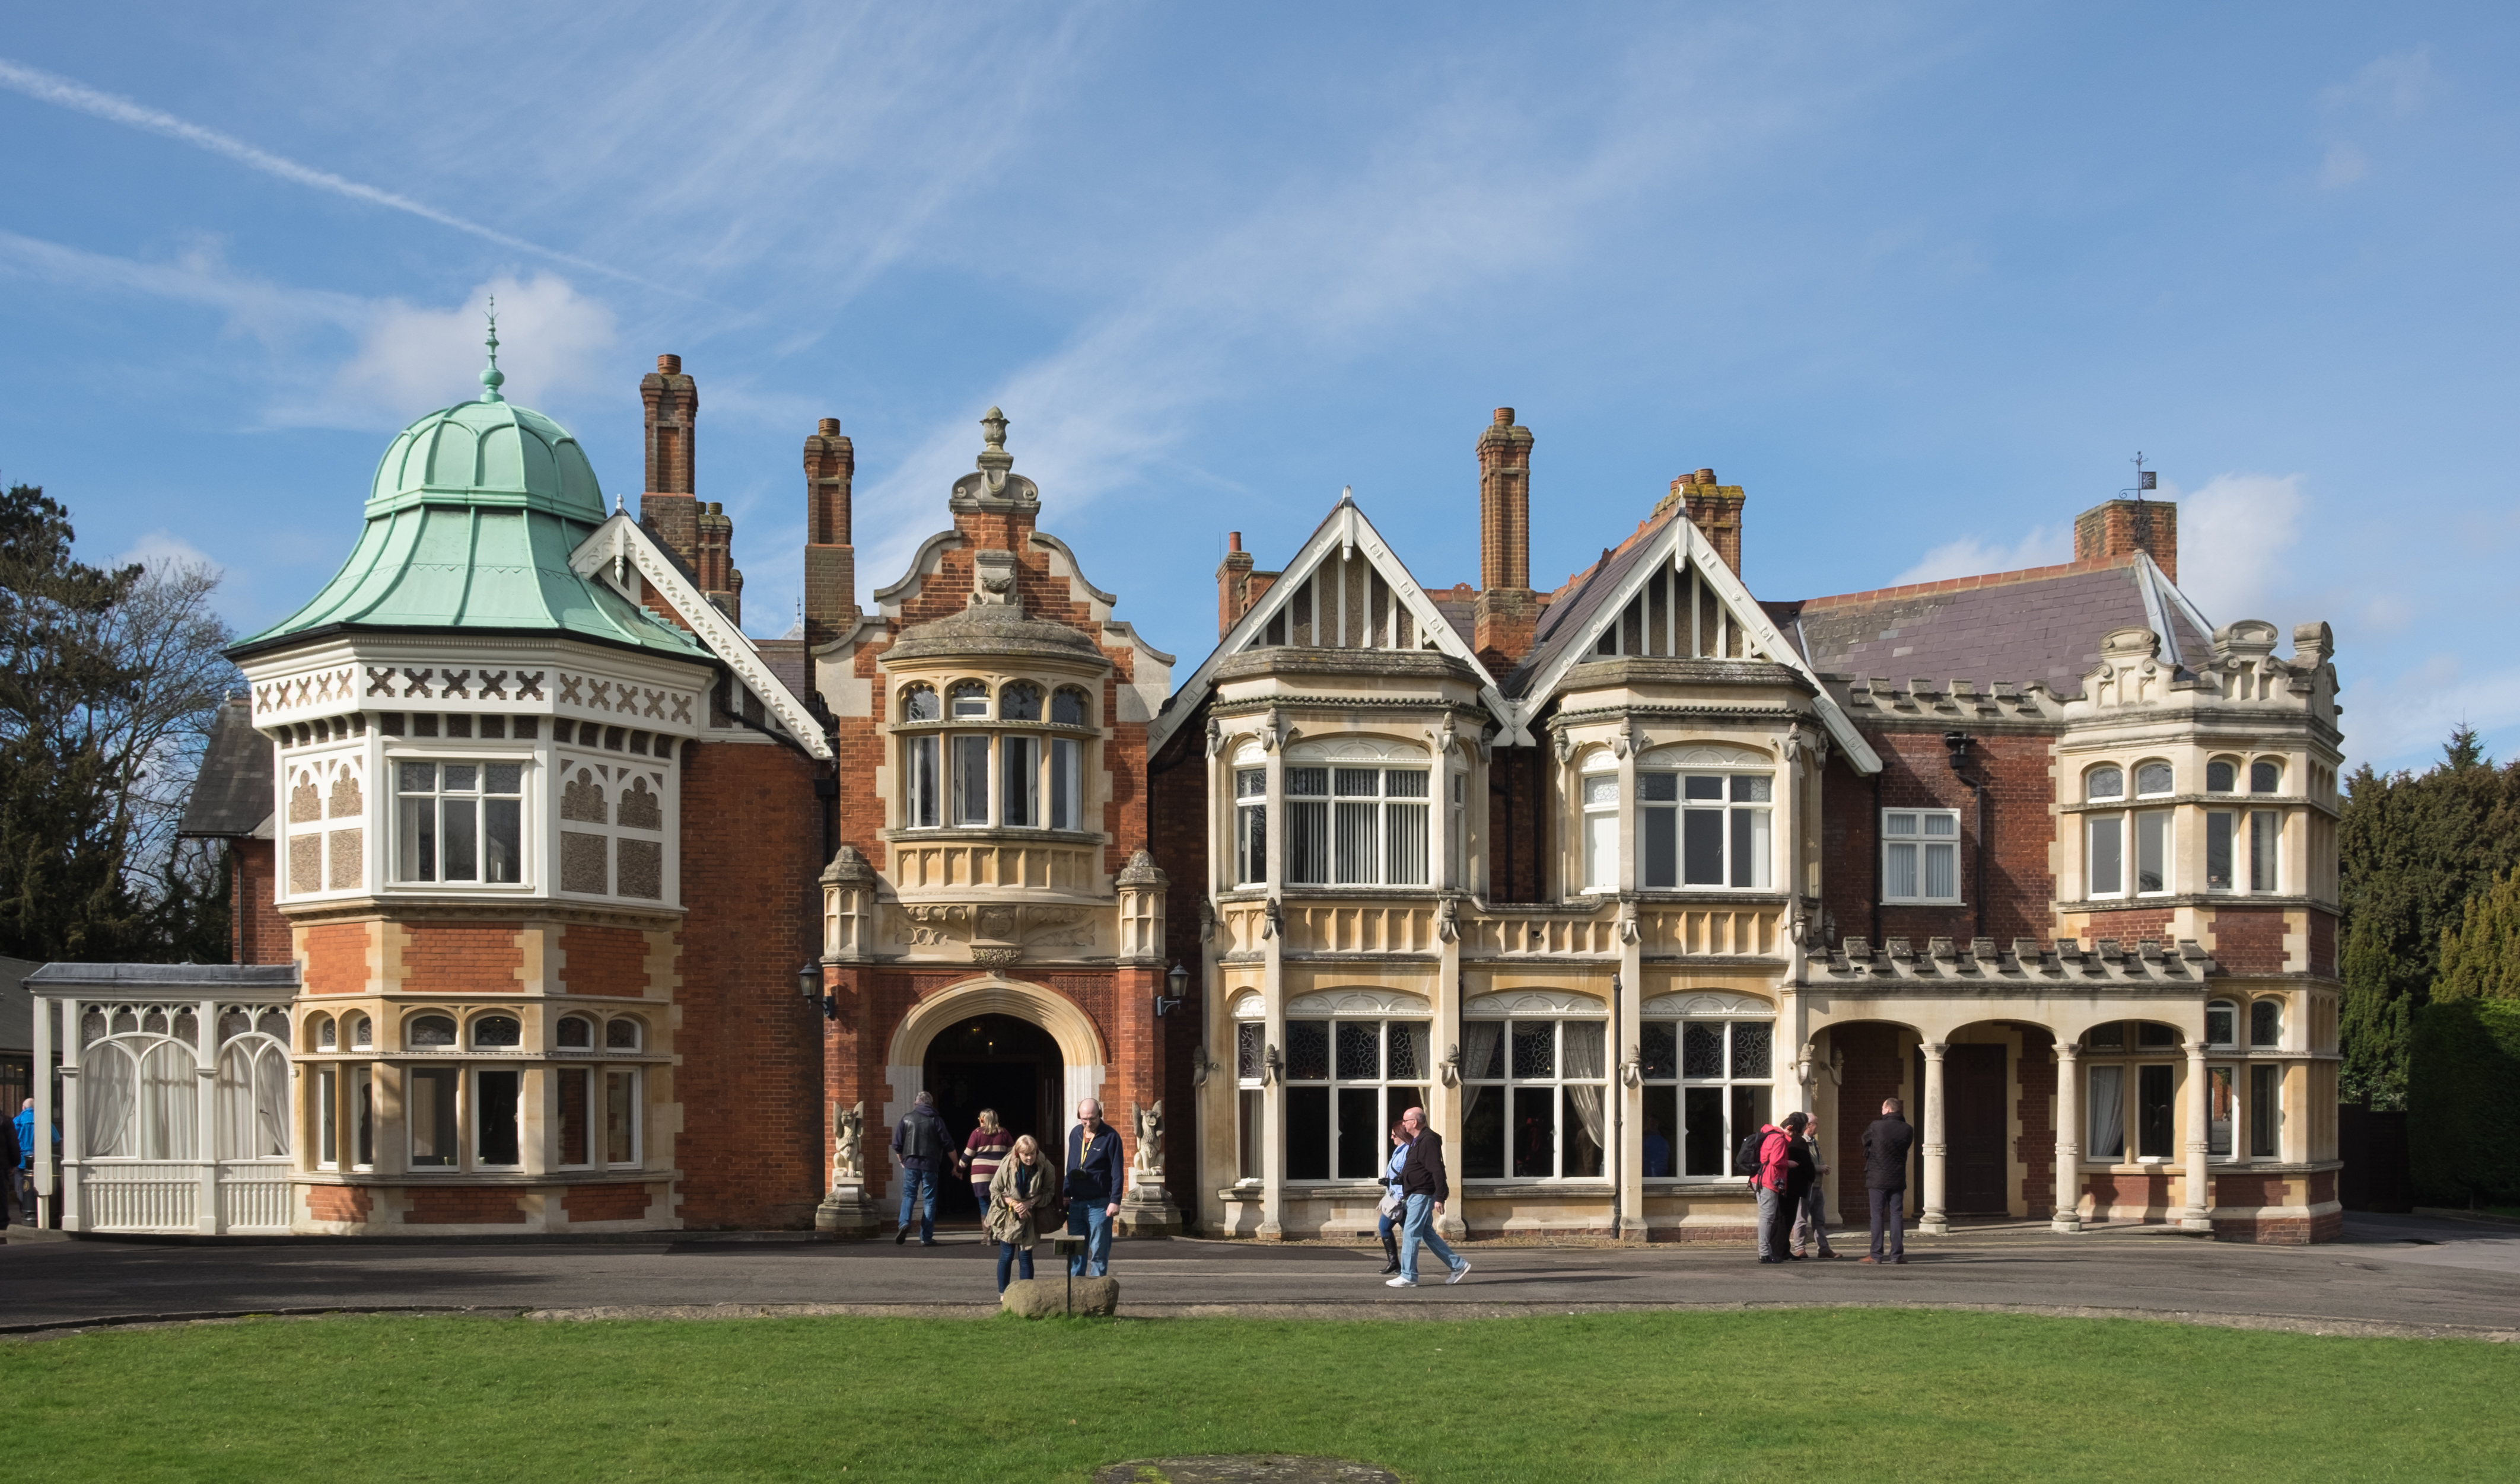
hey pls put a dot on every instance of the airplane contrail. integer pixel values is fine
(45, 87)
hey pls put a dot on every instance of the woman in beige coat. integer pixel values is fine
(1026, 1186)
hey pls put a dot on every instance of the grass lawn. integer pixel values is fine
(1798, 1395)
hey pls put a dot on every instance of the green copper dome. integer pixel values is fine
(488, 454)
(471, 520)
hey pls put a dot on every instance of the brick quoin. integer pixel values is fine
(464, 1205)
(603, 961)
(604, 1203)
(2249, 942)
(749, 1081)
(336, 958)
(259, 934)
(340, 1202)
(463, 958)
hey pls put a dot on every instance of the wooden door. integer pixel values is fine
(1975, 1120)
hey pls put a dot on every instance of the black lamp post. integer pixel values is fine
(809, 983)
(1178, 981)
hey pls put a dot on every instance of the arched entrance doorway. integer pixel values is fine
(996, 1061)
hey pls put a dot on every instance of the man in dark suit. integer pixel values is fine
(1885, 1179)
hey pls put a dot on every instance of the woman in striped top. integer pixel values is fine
(983, 1153)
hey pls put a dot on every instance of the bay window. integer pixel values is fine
(1356, 827)
(2108, 871)
(459, 821)
(1533, 1097)
(1347, 1083)
(1250, 825)
(1601, 831)
(1707, 1081)
(1704, 830)
(1016, 779)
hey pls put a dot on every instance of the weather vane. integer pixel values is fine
(2144, 478)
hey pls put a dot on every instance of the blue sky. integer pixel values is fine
(1922, 278)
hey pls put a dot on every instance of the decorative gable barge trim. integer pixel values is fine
(621, 543)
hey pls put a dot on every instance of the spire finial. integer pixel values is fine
(492, 377)
(993, 430)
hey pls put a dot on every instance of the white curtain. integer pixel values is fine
(2108, 1113)
(105, 1103)
(234, 1100)
(1583, 1043)
(271, 1102)
(168, 1103)
(1479, 1043)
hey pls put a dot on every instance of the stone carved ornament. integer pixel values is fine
(1149, 1122)
(848, 1143)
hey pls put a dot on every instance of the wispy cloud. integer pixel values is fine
(163, 547)
(62, 92)
(1970, 555)
(2235, 540)
(2399, 84)
(552, 340)
(197, 275)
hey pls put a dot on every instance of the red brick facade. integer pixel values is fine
(340, 1202)
(336, 958)
(464, 1205)
(604, 961)
(463, 958)
(261, 934)
(604, 1203)
(2249, 942)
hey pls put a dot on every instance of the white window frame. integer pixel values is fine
(1250, 1100)
(1730, 811)
(1392, 815)
(1381, 1083)
(637, 1113)
(1509, 1085)
(937, 760)
(1600, 811)
(480, 797)
(1919, 840)
(1250, 825)
(1729, 1087)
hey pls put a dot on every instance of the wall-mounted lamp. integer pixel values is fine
(809, 983)
(1178, 981)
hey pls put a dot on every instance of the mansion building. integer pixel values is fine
(563, 905)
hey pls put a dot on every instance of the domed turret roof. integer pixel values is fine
(490, 453)
(471, 520)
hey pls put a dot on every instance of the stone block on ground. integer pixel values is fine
(1044, 1297)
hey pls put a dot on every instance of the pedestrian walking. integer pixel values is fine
(1094, 1184)
(21, 1168)
(925, 1152)
(9, 1161)
(1023, 1186)
(982, 1155)
(1424, 1187)
(1885, 1180)
(1811, 1213)
(1395, 1204)
(1773, 1182)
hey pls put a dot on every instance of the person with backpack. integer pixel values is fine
(1772, 1177)
(1885, 1180)
(1811, 1213)
(925, 1151)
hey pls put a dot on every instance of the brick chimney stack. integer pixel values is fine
(831, 562)
(2116, 528)
(720, 583)
(668, 507)
(1716, 510)
(1508, 610)
(1233, 600)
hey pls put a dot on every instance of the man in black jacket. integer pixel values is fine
(1423, 1187)
(1094, 1181)
(1885, 1179)
(924, 1147)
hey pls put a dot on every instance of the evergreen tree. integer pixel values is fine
(2480, 958)
(2412, 849)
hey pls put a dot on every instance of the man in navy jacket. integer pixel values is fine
(1094, 1187)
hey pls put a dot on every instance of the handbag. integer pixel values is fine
(1390, 1205)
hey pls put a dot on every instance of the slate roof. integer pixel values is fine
(786, 658)
(2041, 626)
(1567, 618)
(232, 796)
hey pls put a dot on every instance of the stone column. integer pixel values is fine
(49, 1202)
(67, 1198)
(1273, 1000)
(1933, 1220)
(2197, 1214)
(2069, 1138)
